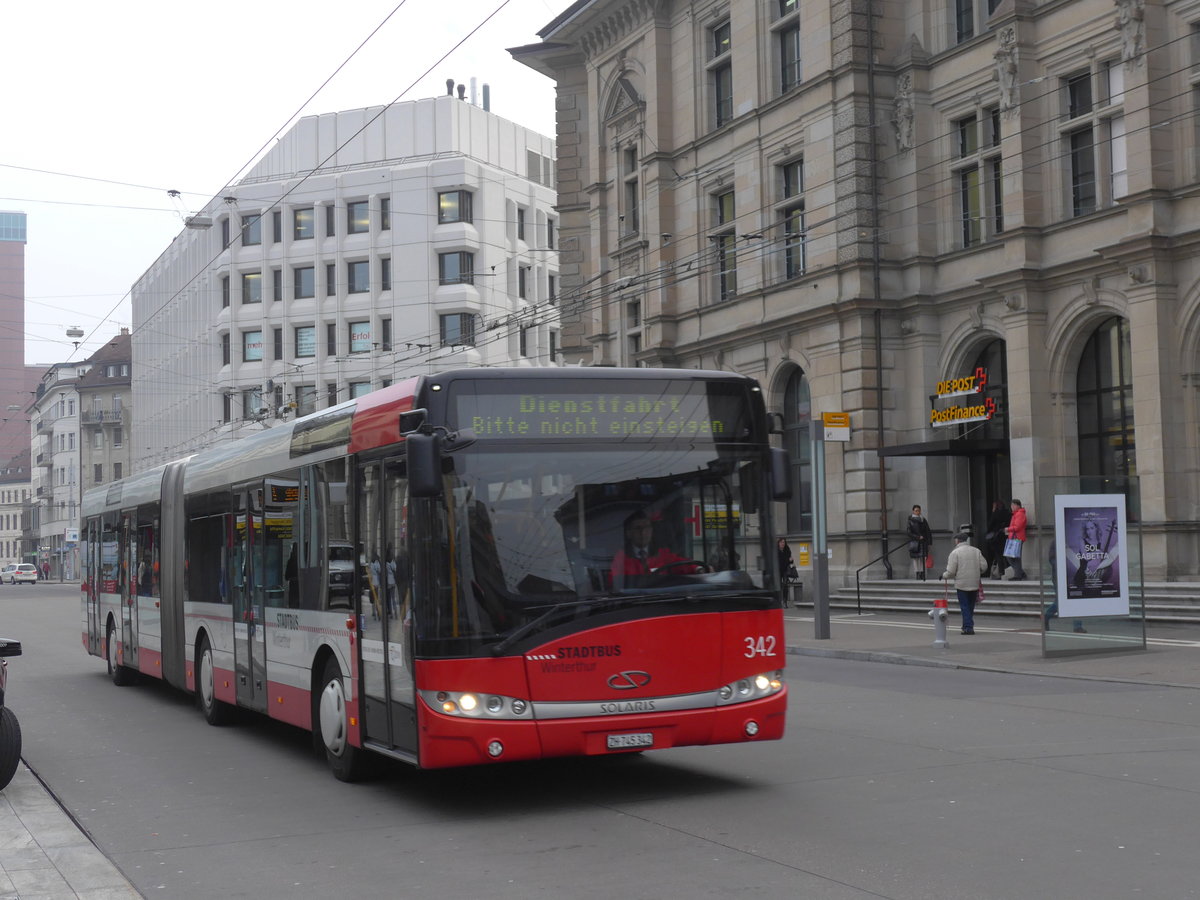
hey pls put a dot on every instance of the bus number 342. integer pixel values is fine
(763, 645)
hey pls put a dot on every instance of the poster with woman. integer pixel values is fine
(1093, 568)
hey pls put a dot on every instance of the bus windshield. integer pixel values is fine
(529, 531)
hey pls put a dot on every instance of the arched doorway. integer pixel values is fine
(990, 472)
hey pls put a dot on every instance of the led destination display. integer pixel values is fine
(604, 414)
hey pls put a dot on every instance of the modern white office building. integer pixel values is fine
(365, 246)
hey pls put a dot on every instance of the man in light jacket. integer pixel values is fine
(964, 567)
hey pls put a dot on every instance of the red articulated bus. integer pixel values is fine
(443, 571)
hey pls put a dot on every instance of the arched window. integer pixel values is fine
(797, 440)
(1104, 397)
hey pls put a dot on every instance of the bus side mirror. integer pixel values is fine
(781, 475)
(424, 464)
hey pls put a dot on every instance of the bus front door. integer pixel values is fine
(384, 607)
(249, 639)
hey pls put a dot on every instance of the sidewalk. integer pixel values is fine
(45, 856)
(1000, 644)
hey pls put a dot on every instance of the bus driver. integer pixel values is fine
(639, 556)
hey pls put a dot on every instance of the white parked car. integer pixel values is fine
(23, 573)
(7, 571)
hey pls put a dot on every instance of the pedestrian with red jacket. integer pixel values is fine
(1016, 540)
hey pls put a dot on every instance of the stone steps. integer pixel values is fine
(1177, 602)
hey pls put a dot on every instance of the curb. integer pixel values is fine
(901, 660)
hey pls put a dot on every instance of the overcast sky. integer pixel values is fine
(161, 96)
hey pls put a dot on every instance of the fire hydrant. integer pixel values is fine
(939, 614)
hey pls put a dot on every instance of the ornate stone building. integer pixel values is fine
(862, 203)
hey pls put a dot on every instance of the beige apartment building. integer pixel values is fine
(869, 206)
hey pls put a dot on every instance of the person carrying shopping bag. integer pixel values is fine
(964, 566)
(1016, 540)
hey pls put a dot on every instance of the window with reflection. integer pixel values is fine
(797, 440)
(1104, 403)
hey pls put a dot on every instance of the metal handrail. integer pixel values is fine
(858, 572)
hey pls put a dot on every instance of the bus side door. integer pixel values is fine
(384, 607)
(247, 593)
(128, 590)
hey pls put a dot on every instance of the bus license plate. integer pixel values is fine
(626, 741)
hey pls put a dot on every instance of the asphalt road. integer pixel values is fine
(893, 781)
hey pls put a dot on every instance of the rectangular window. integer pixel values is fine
(251, 402)
(304, 226)
(358, 217)
(385, 273)
(552, 288)
(720, 73)
(523, 342)
(225, 234)
(330, 279)
(454, 206)
(304, 282)
(98, 473)
(359, 389)
(995, 206)
(456, 268)
(520, 223)
(522, 278)
(360, 337)
(385, 334)
(252, 287)
(225, 349)
(306, 341)
(224, 291)
(331, 339)
(551, 225)
(98, 440)
(385, 213)
(331, 392)
(793, 241)
(276, 226)
(1083, 171)
(632, 191)
(1079, 94)
(277, 342)
(457, 329)
(330, 221)
(968, 136)
(964, 20)
(252, 345)
(118, 437)
(358, 276)
(789, 57)
(251, 230)
(306, 399)
(118, 471)
(277, 399)
(277, 284)
(969, 206)
(724, 241)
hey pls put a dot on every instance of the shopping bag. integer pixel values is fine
(929, 561)
(1012, 548)
(979, 595)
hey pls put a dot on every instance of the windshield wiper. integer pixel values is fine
(533, 624)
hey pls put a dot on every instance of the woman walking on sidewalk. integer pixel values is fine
(964, 566)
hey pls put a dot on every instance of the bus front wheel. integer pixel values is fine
(120, 675)
(333, 722)
(215, 712)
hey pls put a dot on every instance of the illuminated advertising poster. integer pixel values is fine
(1093, 566)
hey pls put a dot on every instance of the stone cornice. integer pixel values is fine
(610, 28)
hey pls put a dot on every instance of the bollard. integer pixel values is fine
(939, 613)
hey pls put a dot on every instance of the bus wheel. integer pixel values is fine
(120, 675)
(10, 746)
(333, 721)
(215, 711)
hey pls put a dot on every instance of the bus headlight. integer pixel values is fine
(754, 688)
(476, 705)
